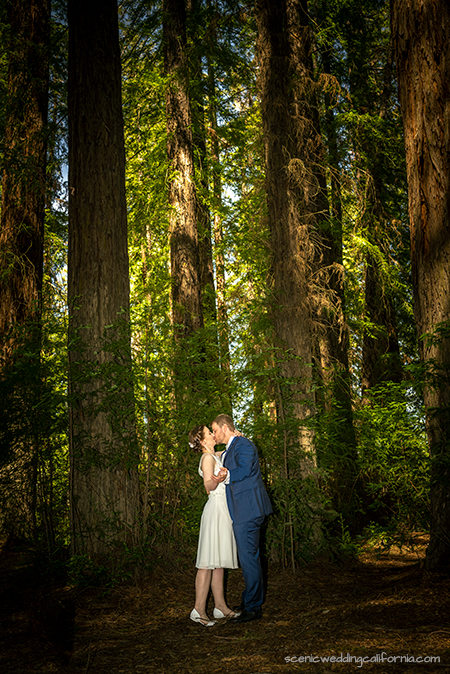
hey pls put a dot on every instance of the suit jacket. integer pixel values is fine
(247, 497)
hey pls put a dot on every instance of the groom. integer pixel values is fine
(249, 505)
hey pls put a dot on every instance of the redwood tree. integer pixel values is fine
(187, 313)
(216, 201)
(22, 232)
(421, 32)
(190, 354)
(289, 216)
(104, 492)
(303, 244)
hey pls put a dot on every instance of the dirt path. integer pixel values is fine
(380, 608)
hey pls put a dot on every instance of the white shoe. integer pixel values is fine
(218, 614)
(195, 616)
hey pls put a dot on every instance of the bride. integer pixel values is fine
(216, 545)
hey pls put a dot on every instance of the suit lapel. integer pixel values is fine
(227, 453)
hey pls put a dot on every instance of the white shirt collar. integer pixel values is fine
(230, 441)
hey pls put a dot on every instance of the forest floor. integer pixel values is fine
(384, 606)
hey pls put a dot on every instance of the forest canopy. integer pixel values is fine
(223, 207)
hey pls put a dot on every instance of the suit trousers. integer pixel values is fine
(247, 541)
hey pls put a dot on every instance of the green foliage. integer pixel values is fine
(33, 434)
(83, 572)
(394, 460)
(374, 473)
(129, 563)
(4, 40)
(295, 531)
(341, 544)
(103, 384)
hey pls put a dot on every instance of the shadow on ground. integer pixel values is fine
(383, 614)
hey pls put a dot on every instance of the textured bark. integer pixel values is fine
(216, 201)
(421, 31)
(24, 163)
(187, 313)
(201, 167)
(104, 494)
(295, 199)
(22, 235)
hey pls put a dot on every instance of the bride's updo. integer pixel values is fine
(196, 436)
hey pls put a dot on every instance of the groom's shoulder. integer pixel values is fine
(242, 441)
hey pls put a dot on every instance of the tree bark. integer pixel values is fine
(216, 207)
(23, 183)
(421, 32)
(22, 233)
(201, 166)
(293, 189)
(187, 312)
(104, 480)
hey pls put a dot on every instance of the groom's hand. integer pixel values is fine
(221, 475)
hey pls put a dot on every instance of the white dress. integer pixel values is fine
(216, 543)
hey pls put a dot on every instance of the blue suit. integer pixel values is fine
(249, 505)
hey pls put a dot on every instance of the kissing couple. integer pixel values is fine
(237, 506)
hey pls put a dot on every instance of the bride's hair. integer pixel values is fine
(196, 436)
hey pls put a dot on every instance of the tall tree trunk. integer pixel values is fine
(216, 201)
(104, 480)
(187, 312)
(201, 163)
(294, 187)
(191, 352)
(287, 202)
(421, 32)
(203, 166)
(22, 232)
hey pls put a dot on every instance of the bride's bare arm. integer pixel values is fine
(208, 465)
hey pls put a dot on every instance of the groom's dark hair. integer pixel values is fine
(223, 419)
